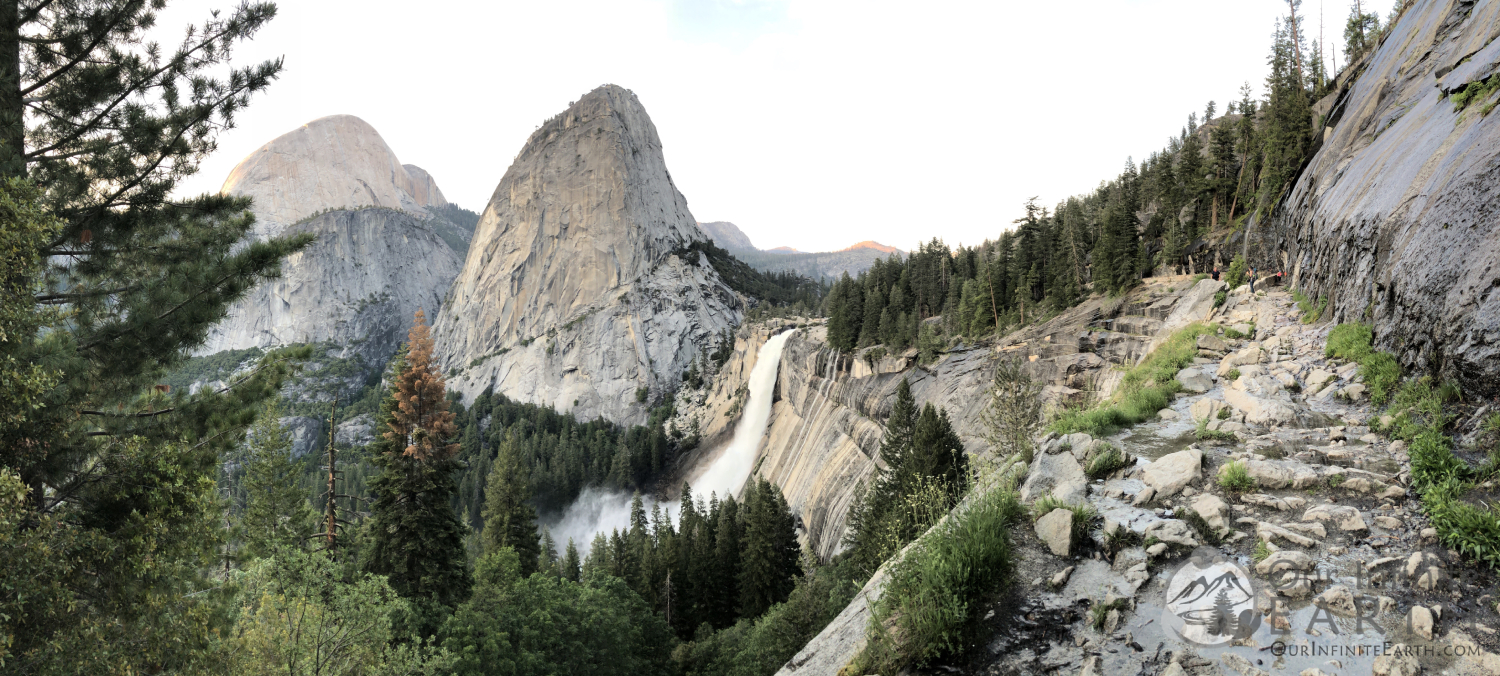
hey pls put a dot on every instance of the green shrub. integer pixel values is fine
(1349, 341)
(1105, 463)
(1310, 311)
(641, 393)
(1224, 413)
(1198, 278)
(1335, 480)
(1235, 478)
(1233, 374)
(1381, 374)
(1220, 298)
(1236, 274)
(936, 593)
(1262, 551)
(1477, 90)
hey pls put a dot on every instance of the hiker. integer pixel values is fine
(1252, 280)
(1216, 273)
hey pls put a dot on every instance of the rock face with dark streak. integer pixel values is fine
(574, 293)
(356, 286)
(1397, 217)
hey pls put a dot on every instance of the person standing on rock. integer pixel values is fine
(1216, 273)
(1251, 277)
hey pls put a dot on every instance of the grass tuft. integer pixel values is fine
(931, 604)
(1205, 434)
(1235, 478)
(1098, 612)
(1380, 370)
(1105, 464)
(1146, 388)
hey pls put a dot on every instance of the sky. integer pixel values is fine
(811, 124)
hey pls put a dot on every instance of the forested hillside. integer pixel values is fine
(1182, 209)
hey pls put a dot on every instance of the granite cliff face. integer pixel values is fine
(332, 162)
(378, 257)
(1395, 217)
(356, 286)
(577, 290)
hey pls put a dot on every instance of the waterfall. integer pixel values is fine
(727, 473)
(599, 510)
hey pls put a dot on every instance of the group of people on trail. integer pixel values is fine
(1276, 279)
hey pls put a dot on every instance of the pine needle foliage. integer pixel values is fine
(418, 541)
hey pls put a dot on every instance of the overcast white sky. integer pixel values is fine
(809, 124)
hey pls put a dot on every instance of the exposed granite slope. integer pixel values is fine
(330, 163)
(572, 294)
(1397, 217)
(356, 286)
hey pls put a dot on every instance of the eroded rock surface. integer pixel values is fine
(578, 289)
(1394, 215)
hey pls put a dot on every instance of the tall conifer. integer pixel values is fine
(418, 540)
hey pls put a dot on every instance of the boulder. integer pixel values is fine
(1174, 531)
(1420, 621)
(1285, 560)
(1057, 475)
(1345, 517)
(1287, 503)
(1214, 512)
(1171, 472)
(1260, 410)
(1279, 474)
(1339, 601)
(1398, 661)
(1206, 409)
(1212, 342)
(1055, 529)
(1195, 380)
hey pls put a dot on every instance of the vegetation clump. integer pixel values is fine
(1235, 478)
(1145, 389)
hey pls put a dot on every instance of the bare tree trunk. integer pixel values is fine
(331, 511)
(1296, 44)
(12, 109)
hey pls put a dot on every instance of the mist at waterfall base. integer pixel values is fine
(602, 510)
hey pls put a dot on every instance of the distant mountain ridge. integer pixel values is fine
(817, 265)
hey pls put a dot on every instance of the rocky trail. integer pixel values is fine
(1341, 565)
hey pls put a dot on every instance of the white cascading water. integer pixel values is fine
(600, 510)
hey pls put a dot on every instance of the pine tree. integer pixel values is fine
(509, 521)
(570, 564)
(276, 510)
(770, 553)
(937, 452)
(547, 563)
(868, 524)
(598, 561)
(726, 596)
(417, 538)
(116, 472)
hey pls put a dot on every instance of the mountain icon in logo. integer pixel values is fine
(1211, 602)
